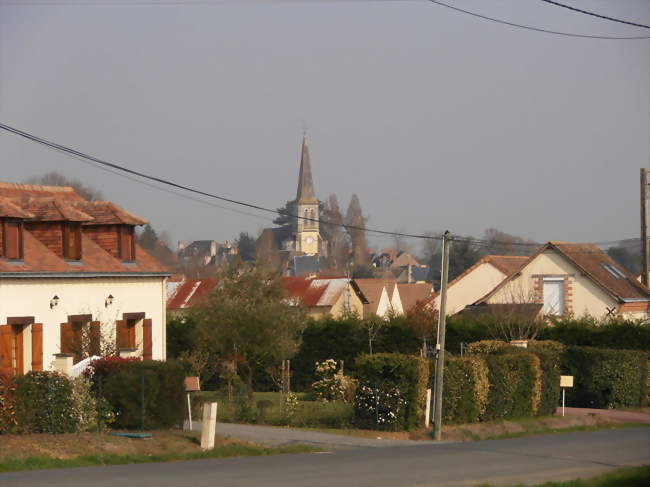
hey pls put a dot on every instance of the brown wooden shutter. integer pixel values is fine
(13, 240)
(95, 337)
(5, 349)
(122, 334)
(147, 334)
(67, 337)
(37, 346)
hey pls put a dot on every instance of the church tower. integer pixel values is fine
(307, 232)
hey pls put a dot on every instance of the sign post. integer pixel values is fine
(191, 385)
(565, 381)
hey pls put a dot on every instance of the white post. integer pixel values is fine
(189, 409)
(208, 425)
(563, 391)
(427, 410)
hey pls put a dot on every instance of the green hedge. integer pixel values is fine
(389, 374)
(164, 404)
(44, 403)
(590, 332)
(550, 355)
(514, 385)
(465, 389)
(606, 378)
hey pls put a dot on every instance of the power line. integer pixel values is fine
(119, 169)
(537, 29)
(593, 14)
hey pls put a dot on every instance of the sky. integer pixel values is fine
(436, 119)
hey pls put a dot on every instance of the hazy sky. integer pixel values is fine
(436, 119)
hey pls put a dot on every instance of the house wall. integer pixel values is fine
(49, 234)
(396, 302)
(585, 297)
(31, 297)
(471, 287)
(355, 304)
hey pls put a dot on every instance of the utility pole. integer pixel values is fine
(440, 346)
(645, 251)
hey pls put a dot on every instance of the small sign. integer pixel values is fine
(566, 381)
(192, 384)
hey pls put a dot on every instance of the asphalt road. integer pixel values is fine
(530, 460)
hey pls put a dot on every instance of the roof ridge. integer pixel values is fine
(37, 187)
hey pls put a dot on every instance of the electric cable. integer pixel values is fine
(593, 14)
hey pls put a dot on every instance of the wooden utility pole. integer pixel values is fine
(645, 251)
(440, 346)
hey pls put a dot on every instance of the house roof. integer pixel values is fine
(54, 210)
(26, 191)
(8, 209)
(108, 213)
(405, 259)
(410, 294)
(597, 265)
(508, 264)
(304, 291)
(188, 292)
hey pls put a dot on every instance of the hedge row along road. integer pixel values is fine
(533, 460)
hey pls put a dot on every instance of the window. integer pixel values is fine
(126, 243)
(72, 241)
(12, 239)
(553, 296)
(614, 271)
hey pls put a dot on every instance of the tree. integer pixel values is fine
(285, 216)
(246, 319)
(628, 254)
(148, 238)
(422, 320)
(57, 179)
(502, 243)
(462, 255)
(337, 243)
(355, 225)
(246, 247)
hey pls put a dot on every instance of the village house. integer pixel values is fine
(73, 280)
(573, 278)
(478, 280)
(324, 296)
(185, 293)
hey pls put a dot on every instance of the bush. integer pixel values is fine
(465, 389)
(332, 385)
(392, 377)
(464, 328)
(164, 392)
(606, 378)
(514, 385)
(615, 333)
(44, 403)
(550, 355)
(7, 411)
(485, 347)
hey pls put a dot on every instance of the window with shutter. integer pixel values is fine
(127, 243)
(12, 239)
(72, 241)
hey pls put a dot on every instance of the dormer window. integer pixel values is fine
(72, 241)
(12, 239)
(126, 243)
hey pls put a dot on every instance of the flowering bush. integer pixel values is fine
(332, 385)
(379, 409)
(84, 403)
(7, 411)
(289, 407)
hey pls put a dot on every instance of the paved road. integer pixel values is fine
(531, 460)
(272, 435)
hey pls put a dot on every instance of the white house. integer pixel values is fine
(73, 280)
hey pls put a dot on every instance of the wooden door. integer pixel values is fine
(6, 356)
(18, 358)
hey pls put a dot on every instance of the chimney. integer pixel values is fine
(181, 246)
(410, 274)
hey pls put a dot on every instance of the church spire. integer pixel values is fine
(305, 194)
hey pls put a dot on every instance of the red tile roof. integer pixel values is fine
(508, 264)
(26, 191)
(303, 290)
(53, 210)
(411, 294)
(8, 209)
(190, 292)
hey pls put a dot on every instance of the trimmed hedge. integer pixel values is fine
(164, 392)
(406, 375)
(44, 403)
(514, 385)
(465, 389)
(606, 378)
(609, 334)
(550, 355)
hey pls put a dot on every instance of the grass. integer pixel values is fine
(624, 477)
(335, 414)
(37, 463)
(533, 430)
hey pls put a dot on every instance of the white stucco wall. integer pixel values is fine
(588, 297)
(31, 297)
(471, 287)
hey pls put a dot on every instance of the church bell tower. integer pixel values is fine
(306, 228)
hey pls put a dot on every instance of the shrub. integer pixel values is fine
(465, 389)
(84, 403)
(7, 410)
(332, 385)
(487, 346)
(550, 355)
(388, 375)
(163, 393)
(606, 378)
(464, 328)
(514, 385)
(44, 403)
(380, 408)
(612, 333)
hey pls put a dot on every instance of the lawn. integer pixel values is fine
(35, 451)
(267, 408)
